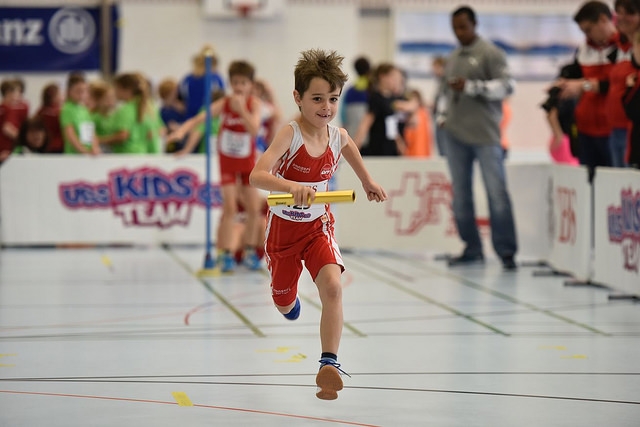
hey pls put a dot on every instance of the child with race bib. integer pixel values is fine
(304, 155)
(240, 116)
(78, 130)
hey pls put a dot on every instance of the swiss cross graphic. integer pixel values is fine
(421, 200)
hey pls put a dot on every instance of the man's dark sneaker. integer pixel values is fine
(466, 259)
(508, 263)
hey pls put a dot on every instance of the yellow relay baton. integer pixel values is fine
(341, 196)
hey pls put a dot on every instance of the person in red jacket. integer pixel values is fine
(627, 22)
(596, 58)
(13, 112)
(49, 113)
(631, 103)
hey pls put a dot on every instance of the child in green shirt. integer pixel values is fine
(155, 130)
(103, 104)
(77, 127)
(131, 128)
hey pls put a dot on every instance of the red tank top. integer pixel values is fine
(234, 141)
(299, 166)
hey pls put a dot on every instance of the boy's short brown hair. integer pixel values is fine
(8, 86)
(166, 88)
(322, 64)
(74, 78)
(241, 68)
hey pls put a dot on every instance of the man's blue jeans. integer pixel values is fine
(460, 157)
(618, 144)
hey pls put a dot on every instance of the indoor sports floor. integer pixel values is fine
(131, 337)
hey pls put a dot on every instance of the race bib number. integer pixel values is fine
(391, 127)
(303, 213)
(235, 144)
(87, 130)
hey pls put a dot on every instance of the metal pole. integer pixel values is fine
(209, 261)
(106, 39)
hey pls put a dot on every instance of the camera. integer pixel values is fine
(553, 100)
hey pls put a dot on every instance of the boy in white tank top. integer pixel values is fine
(304, 156)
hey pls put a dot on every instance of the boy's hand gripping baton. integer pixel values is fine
(341, 196)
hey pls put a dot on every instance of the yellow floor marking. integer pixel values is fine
(553, 347)
(575, 356)
(182, 398)
(106, 261)
(296, 358)
(7, 365)
(208, 272)
(277, 350)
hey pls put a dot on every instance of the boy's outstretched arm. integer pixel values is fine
(187, 126)
(352, 155)
(262, 176)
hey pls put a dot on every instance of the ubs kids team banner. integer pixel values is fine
(110, 199)
(53, 39)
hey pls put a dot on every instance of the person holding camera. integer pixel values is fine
(627, 22)
(478, 82)
(596, 58)
(631, 103)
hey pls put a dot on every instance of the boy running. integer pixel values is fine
(304, 155)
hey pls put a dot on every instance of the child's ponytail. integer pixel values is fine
(137, 84)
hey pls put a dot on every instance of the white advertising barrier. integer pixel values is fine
(418, 215)
(529, 186)
(106, 199)
(617, 229)
(571, 225)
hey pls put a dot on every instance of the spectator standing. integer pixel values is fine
(77, 127)
(22, 105)
(478, 82)
(49, 113)
(627, 22)
(131, 128)
(381, 123)
(103, 105)
(156, 130)
(192, 87)
(355, 98)
(596, 58)
(631, 102)
(417, 131)
(12, 115)
(172, 110)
